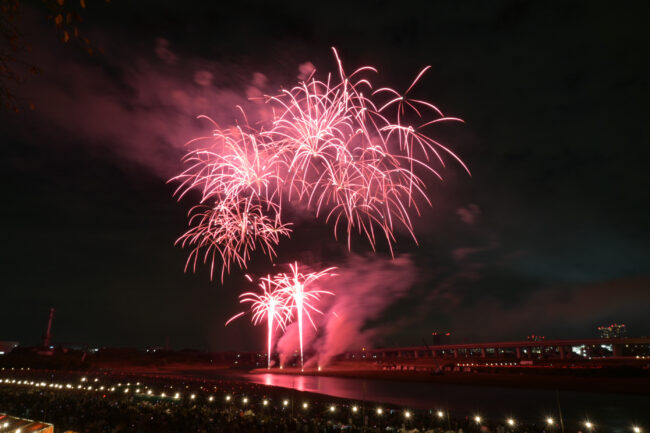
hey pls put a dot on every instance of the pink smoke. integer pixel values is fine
(364, 288)
(136, 107)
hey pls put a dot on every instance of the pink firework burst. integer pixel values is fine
(229, 231)
(301, 295)
(271, 305)
(350, 153)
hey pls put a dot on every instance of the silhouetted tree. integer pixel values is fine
(66, 17)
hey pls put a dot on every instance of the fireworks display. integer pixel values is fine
(301, 296)
(353, 155)
(281, 296)
(270, 305)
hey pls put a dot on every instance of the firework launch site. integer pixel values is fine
(597, 365)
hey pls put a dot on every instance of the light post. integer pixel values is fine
(380, 411)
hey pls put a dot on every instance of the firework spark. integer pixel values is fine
(231, 230)
(270, 305)
(355, 155)
(301, 296)
(279, 296)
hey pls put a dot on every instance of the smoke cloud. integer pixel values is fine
(136, 105)
(364, 288)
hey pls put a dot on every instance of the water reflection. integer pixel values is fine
(530, 405)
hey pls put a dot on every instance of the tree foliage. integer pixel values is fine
(66, 18)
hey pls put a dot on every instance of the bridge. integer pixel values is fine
(560, 349)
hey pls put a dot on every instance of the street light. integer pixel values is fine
(440, 414)
(305, 405)
(477, 419)
(407, 414)
(589, 425)
(379, 411)
(332, 408)
(550, 421)
(510, 422)
(355, 409)
(285, 403)
(636, 429)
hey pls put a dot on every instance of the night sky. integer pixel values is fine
(549, 236)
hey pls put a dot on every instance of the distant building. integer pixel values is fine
(614, 330)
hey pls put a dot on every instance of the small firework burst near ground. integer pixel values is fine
(283, 295)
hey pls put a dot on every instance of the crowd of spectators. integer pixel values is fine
(131, 403)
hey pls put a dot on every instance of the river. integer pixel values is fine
(609, 412)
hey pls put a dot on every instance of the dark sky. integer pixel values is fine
(550, 235)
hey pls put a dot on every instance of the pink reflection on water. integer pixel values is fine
(323, 385)
(301, 383)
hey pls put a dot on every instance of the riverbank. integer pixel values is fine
(580, 380)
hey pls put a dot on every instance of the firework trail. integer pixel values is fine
(296, 287)
(350, 153)
(279, 296)
(270, 304)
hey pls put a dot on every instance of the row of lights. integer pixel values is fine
(407, 414)
(496, 364)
